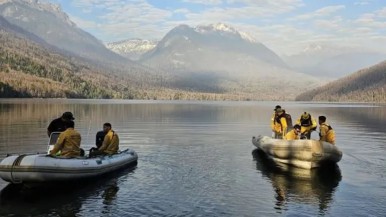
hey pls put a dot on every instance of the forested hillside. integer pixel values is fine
(28, 69)
(366, 85)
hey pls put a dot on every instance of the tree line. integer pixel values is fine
(366, 85)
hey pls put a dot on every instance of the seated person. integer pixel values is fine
(68, 143)
(110, 144)
(326, 134)
(57, 125)
(98, 140)
(294, 133)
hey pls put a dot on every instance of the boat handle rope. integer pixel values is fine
(14, 164)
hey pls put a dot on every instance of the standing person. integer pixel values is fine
(110, 143)
(307, 123)
(326, 133)
(280, 123)
(275, 126)
(68, 142)
(57, 125)
(294, 134)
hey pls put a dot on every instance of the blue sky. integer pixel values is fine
(285, 26)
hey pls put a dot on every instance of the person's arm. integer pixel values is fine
(106, 142)
(298, 121)
(273, 122)
(284, 126)
(314, 124)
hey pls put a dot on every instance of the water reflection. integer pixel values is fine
(315, 187)
(61, 199)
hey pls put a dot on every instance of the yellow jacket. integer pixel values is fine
(307, 128)
(275, 126)
(68, 143)
(279, 127)
(110, 143)
(291, 135)
(327, 134)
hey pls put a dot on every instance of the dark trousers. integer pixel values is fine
(307, 134)
(95, 152)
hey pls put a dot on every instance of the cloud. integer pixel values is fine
(332, 24)
(204, 2)
(276, 24)
(322, 12)
(381, 13)
(370, 20)
(362, 3)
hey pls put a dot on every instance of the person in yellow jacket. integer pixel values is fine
(68, 143)
(279, 124)
(326, 133)
(307, 123)
(274, 125)
(110, 143)
(294, 133)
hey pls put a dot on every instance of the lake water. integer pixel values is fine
(197, 159)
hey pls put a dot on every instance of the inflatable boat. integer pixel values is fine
(32, 168)
(305, 154)
(38, 168)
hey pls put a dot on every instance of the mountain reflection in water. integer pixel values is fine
(315, 186)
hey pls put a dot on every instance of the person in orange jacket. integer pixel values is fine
(326, 133)
(110, 144)
(68, 143)
(294, 134)
(279, 124)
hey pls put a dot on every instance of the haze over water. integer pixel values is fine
(197, 159)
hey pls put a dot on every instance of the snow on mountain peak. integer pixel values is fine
(313, 48)
(221, 27)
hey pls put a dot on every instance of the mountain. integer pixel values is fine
(50, 23)
(132, 48)
(8, 27)
(183, 46)
(366, 85)
(30, 69)
(219, 58)
(323, 60)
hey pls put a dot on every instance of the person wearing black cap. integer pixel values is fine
(58, 124)
(275, 126)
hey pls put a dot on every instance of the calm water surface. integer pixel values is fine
(197, 159)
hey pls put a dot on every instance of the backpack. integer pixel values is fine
(100, 136)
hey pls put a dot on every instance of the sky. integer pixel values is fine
(285, 26)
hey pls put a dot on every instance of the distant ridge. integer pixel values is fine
(329, 61)
(366, 85)
(50, 23)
